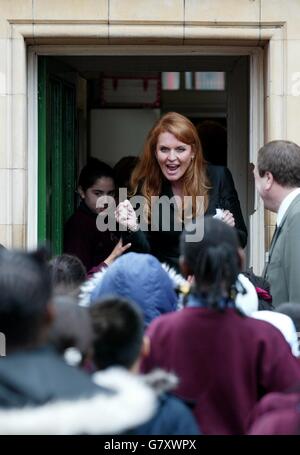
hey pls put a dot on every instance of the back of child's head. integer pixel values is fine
(25, 292)
(92, 171)
(293, 311)
(214, 261)
(67, 273)
(71, 328)
(118, 332)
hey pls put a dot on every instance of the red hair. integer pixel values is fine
(147, 176)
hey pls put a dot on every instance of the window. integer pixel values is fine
(170, 80)
(209, 80)
(193, 80)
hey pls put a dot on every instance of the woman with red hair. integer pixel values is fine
(172, 165)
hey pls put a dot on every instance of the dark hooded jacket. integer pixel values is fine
(128, 405)
(38, 376)
(140, 278)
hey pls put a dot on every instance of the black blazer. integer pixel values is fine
(165, 244)
(223, 195)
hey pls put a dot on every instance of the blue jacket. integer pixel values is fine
(172, 417)
(140, 278)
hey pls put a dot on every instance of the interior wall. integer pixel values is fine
(81, 92)
(115, 133)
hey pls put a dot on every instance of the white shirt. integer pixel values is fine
(285, 205)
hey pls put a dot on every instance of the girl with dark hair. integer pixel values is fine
(215, 262)
(82, 238)
(225, 360)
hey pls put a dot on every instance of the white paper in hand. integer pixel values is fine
(219, 214)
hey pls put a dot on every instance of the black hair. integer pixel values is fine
(118, 332)
(214, 261)
(72, 326)
(93, 170)
(67, 272)
(213, 137)
(123, 170)
(25, 292)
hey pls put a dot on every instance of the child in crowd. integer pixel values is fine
(138, 277)
(71, 331)
(39, 392)
(277, 413)
(225, 360)
(67, 274)
(82, 237)
(32, 373)
(119, 342)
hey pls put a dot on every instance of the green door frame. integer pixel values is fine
(56, 151)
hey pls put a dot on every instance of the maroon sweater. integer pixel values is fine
(276, 414)
(225, 363)
(84, 240)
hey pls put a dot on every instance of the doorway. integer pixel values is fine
(101, 116)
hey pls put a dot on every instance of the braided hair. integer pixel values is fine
(214, 261)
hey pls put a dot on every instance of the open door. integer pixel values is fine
(238, 136)
(56, 150)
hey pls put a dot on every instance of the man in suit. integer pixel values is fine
(277, 179)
